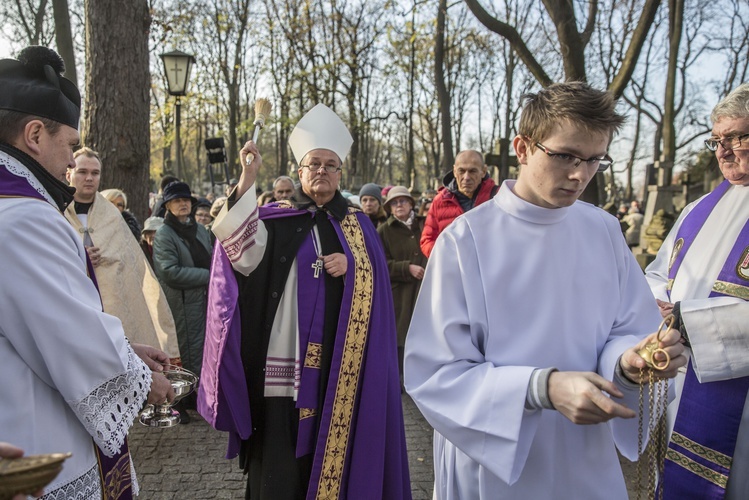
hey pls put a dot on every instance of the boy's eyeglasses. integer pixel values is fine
(570, 161)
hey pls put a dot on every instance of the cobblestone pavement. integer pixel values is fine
(187, 461)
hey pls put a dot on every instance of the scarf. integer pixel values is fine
(188, 232)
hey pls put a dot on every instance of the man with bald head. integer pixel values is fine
(468, 185)
(283, 188)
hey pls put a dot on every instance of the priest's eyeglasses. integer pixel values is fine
(731, 142)
(315, 167)
(570, 161)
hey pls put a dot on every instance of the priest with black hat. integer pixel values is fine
(71, 381)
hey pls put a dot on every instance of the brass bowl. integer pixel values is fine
(27, 475)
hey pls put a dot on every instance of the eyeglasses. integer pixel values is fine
(731, 143)
(315, 167)
(400, 201)
(571, 161)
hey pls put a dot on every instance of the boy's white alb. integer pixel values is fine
(320, 128)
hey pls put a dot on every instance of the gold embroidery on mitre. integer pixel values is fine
(698, 469)
(731, 289)
(742, 267)
(334, 457)
(313, 359)
(675, 252)
(306, 413)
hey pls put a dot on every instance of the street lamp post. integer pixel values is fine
(177, 67)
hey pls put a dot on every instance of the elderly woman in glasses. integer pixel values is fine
(400, 236)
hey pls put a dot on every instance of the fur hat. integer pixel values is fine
(371, 189)
(33, 85)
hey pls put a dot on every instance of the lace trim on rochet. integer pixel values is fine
(109, 410)
(83, 487)
(86, 486)
(16, 168)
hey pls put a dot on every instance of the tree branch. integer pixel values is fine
(511, 35)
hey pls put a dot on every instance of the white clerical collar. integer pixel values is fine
(511, 203)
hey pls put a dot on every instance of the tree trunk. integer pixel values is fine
(448, 158)
(116, 119)
(668, 155)
(64, 38)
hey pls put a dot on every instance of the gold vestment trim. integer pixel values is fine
(117, 480)
(731, 289)
(306, 413)
(336, 444)
(313, 359)
(698, 469)
(701, 451)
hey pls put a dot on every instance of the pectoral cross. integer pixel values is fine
(317, 266)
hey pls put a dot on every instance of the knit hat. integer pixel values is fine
(371, 189)
(34, 85)
(398, 192)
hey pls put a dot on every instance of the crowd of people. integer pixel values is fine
(512, 314)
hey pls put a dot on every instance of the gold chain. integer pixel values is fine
(654, 457)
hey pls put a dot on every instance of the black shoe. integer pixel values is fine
(184, 417)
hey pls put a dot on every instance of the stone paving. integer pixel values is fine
(187, 461)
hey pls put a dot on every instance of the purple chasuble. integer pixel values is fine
(360, 450)
(699, 456)
(114, 472)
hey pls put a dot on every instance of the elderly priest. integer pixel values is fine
(300, 362)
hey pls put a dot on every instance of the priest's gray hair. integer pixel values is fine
(734, 105)
(282, 178)
(574, 103)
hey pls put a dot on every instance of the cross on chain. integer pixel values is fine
(317, 266)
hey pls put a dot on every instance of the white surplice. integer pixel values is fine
(511, 287)
(718, 328)
(69, 378)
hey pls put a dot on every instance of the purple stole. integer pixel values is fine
(114, 472)
(359, 450)
(699, 455)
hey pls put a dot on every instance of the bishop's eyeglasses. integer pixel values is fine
(315, 167)
(731, 142)
(570, 161)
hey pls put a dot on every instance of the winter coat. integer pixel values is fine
(446, 207)
(185, 287)
(401, 246)
(132, 223)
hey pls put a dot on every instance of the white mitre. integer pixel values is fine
(320, 128)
